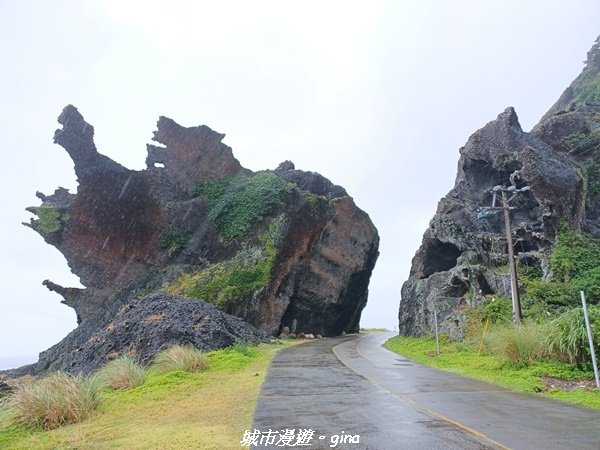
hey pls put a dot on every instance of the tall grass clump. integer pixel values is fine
(180, 357)
(123, 372)
(520, 345)
(55, 400)
(566, 336)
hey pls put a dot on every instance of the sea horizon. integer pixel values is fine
(12, 362)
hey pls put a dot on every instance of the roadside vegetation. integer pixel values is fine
(202, 401)
(549, 352)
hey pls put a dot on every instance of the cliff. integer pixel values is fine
(556, 169)
(276, 248)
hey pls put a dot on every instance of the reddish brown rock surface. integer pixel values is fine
(112, 232)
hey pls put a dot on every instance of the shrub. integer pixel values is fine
(236, 203)
(179, 357)
(566, 336)
(593, 176)
(496, 309)
(573, 254)
(574, 263)
(554, 295)
(123, 372)
(55, 400)
(520, 345)
(172, 242)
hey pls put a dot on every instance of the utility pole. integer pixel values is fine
(505, 208)
(514, 285)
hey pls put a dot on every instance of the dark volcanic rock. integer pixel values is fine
(127, 233)
(453, 268)
(5, 389)
(144, 326)
(310, 181)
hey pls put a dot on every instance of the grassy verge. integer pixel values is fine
(461, 359)
(205, 410)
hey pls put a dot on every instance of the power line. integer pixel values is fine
(487, 211)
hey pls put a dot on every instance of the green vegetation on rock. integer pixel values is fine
(592, 172)
(235, 280)
(586, 88)
(172, 242)
(574, 264)
(50, 220)
(237, 203)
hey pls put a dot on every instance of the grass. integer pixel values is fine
(53, 401)
(204, 410)
(123, 372)
(462, 359)
(180, 357)
(521, 346)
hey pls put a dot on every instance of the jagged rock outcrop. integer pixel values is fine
(559, 160)
(276, 248)
(143, 327)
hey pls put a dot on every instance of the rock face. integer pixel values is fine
(559, 160)
(143, 327)
(275, 248)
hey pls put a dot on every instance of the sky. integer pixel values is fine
(378, 96)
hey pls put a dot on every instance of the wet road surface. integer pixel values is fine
(352, 386)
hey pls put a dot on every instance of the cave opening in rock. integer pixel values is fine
(484, 286)
(439, 257)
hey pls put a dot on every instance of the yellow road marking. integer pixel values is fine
(421, 407)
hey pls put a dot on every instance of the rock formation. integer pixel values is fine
(146, 325)
(275, 248)
(559, 160)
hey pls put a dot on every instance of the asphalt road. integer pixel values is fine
(351, 387)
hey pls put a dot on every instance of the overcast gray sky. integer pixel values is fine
(376, 95)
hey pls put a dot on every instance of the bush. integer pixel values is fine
(236, 203)
(573, 254)
(574, 263)
(497, 310)
(172, 242)
(179, 357)
(55, 400)
(520, 345)
(566, 336)
(123, 372)
(554, 295)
